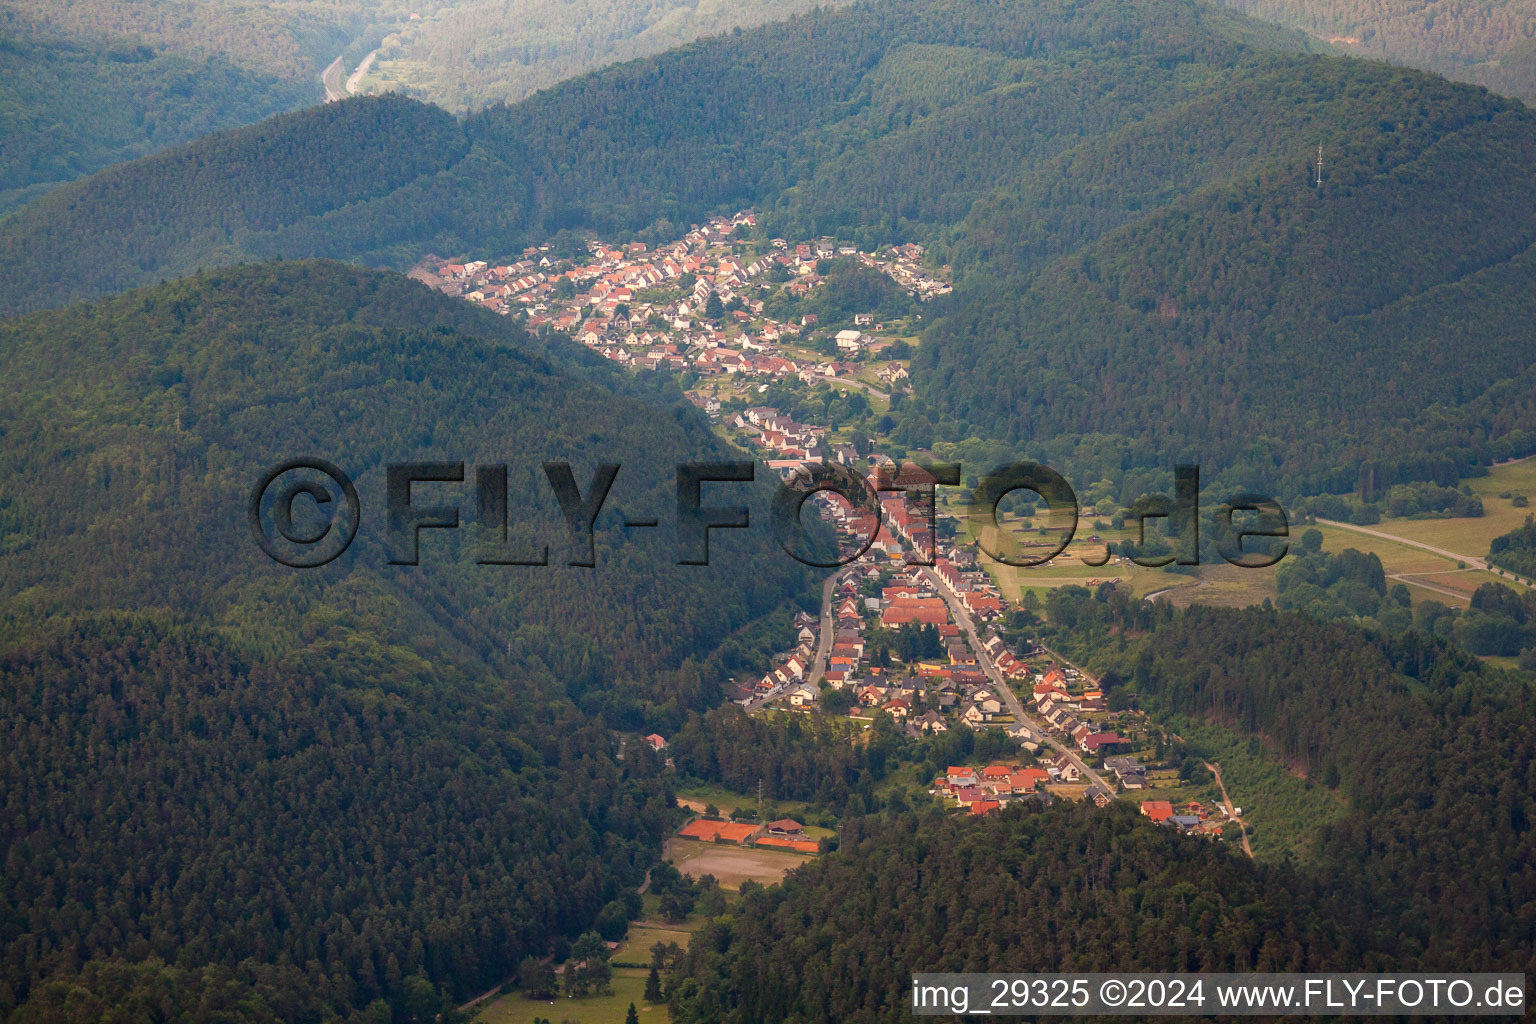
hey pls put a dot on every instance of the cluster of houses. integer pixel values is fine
(607, 300)
(1065, 712)
(982, 790)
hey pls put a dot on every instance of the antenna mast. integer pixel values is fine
(1319, 165)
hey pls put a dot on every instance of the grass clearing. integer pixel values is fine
(697, 797)
(731, 865)
(1429, 576)
(636, 947)
(1465, 536)
(628, 987)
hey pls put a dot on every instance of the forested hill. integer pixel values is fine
(69, 108)
(196, 205)
(733, 120)
(1072, 888)
(399, 780)
(1253, 318)
(1427, 755)
(1206, 300)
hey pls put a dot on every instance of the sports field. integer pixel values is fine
(731, 865)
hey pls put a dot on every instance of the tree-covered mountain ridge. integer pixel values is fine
(239, 791)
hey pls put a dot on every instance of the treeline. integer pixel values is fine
(1516, 550)
(1352, 585)
(1402, 501)
(1488, 44)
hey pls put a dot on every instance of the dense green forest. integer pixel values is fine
(331, 787)
(68, 109)
(208, 195)
(313, 831)
(1189, 300)
(1295, 332)
(1429, 752)
(1491, 44)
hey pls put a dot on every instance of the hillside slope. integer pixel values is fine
(1253, 318)
(68, 109)
(321, 788)
(623, 149)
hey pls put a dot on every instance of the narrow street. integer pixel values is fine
(825, 635)
(963, 619)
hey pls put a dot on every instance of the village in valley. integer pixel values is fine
(914, 627)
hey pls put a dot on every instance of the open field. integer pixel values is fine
(628, 987)
(1471, 536)
(1223, 585)
(1432, 576)
(636, 947)
(1429, 576)
(731, 865)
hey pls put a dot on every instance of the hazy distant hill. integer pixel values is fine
(291, 40)
(1491, 44)
(474, 53)
(69, 108)
(405, 768)
(90, 83)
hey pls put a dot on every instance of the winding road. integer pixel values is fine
(355, 79)
(331, 79)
